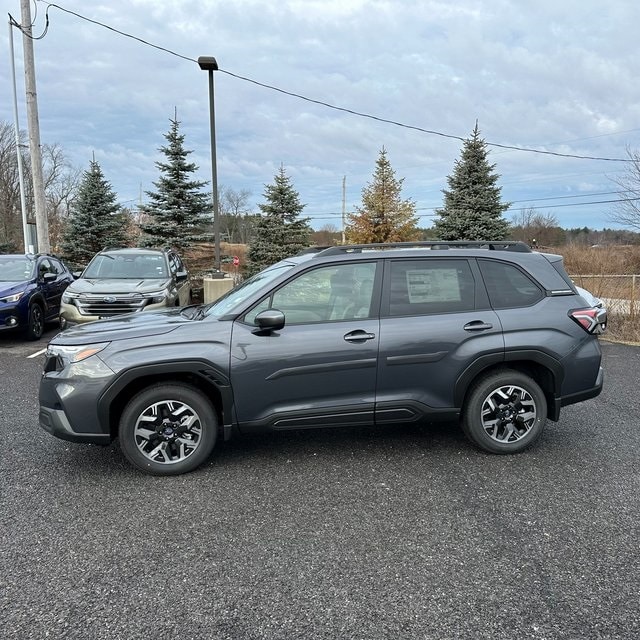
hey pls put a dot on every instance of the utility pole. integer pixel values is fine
(42, 225)
(344, 204)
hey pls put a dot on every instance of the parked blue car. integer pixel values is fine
(31, 287)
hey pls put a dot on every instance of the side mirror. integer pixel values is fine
(76, 274)
(181, 275)
(269, 320)
(49, 277)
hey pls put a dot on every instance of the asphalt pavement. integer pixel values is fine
(402, 532)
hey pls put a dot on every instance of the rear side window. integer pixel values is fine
(508, 287)
(419, 287)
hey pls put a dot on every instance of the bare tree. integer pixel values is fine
(627, 212)
(535, 228)
(61, 182)
(234, 212)
(10, 210)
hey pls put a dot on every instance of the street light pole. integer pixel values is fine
(209, 64)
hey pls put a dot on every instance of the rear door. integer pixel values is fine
(436, 324)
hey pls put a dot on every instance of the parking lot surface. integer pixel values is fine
(395, 532)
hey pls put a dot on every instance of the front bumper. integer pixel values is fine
(55, 422)
(69, 401)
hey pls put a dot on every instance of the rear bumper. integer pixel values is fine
(574, 398)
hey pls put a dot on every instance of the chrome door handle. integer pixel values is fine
(477, 325)
(359, 336)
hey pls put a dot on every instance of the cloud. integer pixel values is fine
(555, 76)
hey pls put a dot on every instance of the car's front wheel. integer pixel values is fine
(35, 325)
(168, 429)
(505, 412)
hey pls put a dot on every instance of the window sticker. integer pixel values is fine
(433, 285)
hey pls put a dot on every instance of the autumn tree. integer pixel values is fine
(383, 215)
(280, 232)
(473, 209)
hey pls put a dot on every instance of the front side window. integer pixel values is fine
(329, 293)
(419, 287)
(508, 287)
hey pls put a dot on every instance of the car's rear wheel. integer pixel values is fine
(168, 429)
(35, 325)
(505, 412)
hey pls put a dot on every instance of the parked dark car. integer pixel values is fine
(31, 288)
(492, 334)
(119, 281)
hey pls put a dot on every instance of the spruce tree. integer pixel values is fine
(95, 221)
(178, 209)
(383, 216)
(279, 232)
(472, 207)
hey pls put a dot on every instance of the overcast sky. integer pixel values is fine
(557, 76)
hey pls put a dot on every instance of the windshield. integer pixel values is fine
(15, 268)
(244, 291)
(126, 266)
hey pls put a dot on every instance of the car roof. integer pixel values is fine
(133, 251)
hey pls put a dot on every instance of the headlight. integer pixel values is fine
(156, 298)
(75, 353)
(68, 298)
(12, 298)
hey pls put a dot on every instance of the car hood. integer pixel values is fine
(131, 325)
(8, 288)
(115, 286)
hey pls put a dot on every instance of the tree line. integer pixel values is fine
(84, 215)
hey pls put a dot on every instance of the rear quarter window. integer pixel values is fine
(508, 286)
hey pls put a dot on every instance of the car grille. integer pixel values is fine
(105, 306)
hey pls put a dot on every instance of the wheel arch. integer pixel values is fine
(197, 374)
(545, 370)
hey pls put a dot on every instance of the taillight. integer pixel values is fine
(591, 319)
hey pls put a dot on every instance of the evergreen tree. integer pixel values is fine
(279, 232)
(95, 220)
(178, 210)
(472, 206)
(383, 215)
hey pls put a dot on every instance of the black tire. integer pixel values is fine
(168, 429)
(35, 323)
(505, 412)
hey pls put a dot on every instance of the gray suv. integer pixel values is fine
(491, 334)
(119, 281)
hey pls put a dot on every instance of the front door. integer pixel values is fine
(320, 369)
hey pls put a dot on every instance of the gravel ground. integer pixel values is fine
(400, 532)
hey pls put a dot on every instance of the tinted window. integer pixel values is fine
(419, 287)
(336, 292)
(508, 286)
(56, 266)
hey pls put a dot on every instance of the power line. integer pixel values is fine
(327, 104)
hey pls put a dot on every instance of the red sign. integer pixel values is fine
(236, 260)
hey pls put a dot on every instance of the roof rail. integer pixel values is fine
(499, 245)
